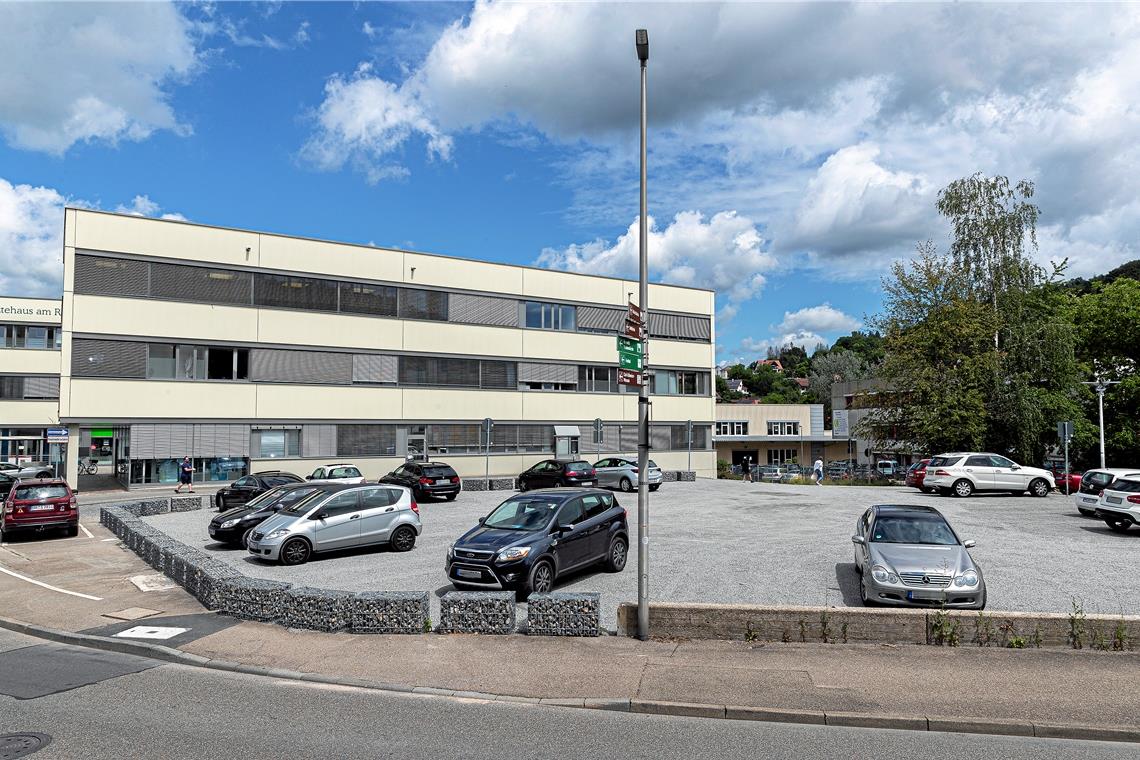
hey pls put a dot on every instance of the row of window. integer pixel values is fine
(29, 388)
(106, 276)
(31, 336)
(169, 361)
(740, 427)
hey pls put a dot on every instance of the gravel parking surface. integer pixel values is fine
(728, 541)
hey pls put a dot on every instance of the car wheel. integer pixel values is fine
(924, 489)
(541, 578)
(557, 484)
(1118, 525)
(72, 531)
(295, 552)
(858, 570)
(44, 474)
(403, 539)
(221, 504)
(626, 485)
(654, 488)
(863, 594)
(1039, 488)
(522, 485)
(963, 488)
(619, 553)
(244, 540)
(1085, 512)
(451, 496)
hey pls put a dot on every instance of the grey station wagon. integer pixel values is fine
(339, 518)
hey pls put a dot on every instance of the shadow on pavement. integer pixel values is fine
(848, 583)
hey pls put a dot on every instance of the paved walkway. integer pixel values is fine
(1095, 688)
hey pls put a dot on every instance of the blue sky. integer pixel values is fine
(796, 151)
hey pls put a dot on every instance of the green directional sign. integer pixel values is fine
(629, 361)
(629, 346)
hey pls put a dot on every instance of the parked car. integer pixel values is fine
(916, 475)
(839, 470)
(887, 468)
(617, 472)
(1119, 504)
(248, 487)
(793, 470)
(964, 473)
(910, 556)
(424, 479)
(532, 539)
(234, 525)
(772, 472)
(1093, 482)
(28, 470)
(1074, 480)
(340, 472)
(38, 505)
(339, 517)
(550, 473)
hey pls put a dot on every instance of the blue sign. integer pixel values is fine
(57, 435)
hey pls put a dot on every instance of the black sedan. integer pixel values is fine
(532, 539)
(234, 525)
(550, 473)
(424, 479)
(246, 488)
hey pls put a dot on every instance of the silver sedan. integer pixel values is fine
(910, 556)
(617, 472)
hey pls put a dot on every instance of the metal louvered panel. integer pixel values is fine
(284, 366)
(41, 387)
(679, 327)
(538, 372)
(180, 441)
(365, 440)
(627, 440)
(206, 442)
(290, 292)
(142, 442)
(201, 284)
(482, 310)
(423, 304)
(374, 368)
(496, 374)
(11, 388)
(101, 276)
(598, 319)
(702, 436)
(318, 440)
(362, 298)
(659, 437)
(434, 370)
(107, 358)
(611, 437)
(539, 437)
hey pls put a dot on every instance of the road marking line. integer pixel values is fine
(84, 529)
(49, 587)
(105, 540)
(150, 632)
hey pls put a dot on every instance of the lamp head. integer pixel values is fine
(641, 41)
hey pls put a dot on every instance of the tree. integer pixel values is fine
(868, 346)
(836, 366)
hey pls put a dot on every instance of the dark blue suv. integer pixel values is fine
(532, 538)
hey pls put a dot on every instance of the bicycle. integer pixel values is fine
(88, 468)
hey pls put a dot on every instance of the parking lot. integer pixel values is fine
(734, 542)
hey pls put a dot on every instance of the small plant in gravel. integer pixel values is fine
(944, 629)
(843, 632)
(1007, 632)
(786, 637)
(1016, 642)
(1099, 640)
(983, 630)
(751, 634)
(825, 627)
(427, 625)
(1120, 638)
(1077, 625)
(803, 631)
(1038, 636)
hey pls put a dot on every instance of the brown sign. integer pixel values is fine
(633, 330)
(629, 377)
(635, 314)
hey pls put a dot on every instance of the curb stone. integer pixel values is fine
(643, 706)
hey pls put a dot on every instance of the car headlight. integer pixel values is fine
(515, 552)
(230, 523)
(883, 575)
(451, 551)
(279, 533)
(968, 578)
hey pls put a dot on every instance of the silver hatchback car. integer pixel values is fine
(339, 518)
(618, 472)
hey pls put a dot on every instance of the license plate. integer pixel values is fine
(442, 481)
(923, 595)
(1088, 500)
(468, 573)
(1112, 499)
(213, 530)
(589, 482)
(41, 507)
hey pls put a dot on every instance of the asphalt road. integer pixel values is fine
(733, 542)
(173, 711)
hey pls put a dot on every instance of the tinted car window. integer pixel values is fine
(371, 498)
(577, 465)
(40, 492)
(1098, 478)
(944, 461)
(318, 473)
(245, 482)
(522, 514)
(572, 513)
(652, 464)
(596, 504)
(1128, 486)
(303, 504)
(439, 472)
(341, 504)
(1002, 461)
(910, 529)
(979, 462)
(278, 480)
(270, 496)
(292, 497)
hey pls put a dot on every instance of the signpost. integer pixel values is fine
(629, 377)
(1065, 432)
(599, 434)
(488, 426)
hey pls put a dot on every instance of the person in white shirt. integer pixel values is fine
(817, 472)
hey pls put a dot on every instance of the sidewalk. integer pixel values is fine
(1026, 686)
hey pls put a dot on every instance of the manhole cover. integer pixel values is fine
(22, 745)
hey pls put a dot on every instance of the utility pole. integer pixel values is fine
(1100, 386)
(641, 42)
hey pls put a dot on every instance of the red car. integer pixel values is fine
(916, 473)
(40, 505)
(1074, 480)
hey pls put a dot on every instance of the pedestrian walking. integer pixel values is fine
(185, 473)
(746, 468)
(817, 472)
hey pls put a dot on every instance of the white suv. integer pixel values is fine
(963, 473)
(1119, 504)
(337, 473)
(1093, 484)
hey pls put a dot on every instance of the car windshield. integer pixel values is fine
(285, 497)
(302, 505)
(268, 497)
(578, 466)
(27, 493)
(1127, 486)
(522, 514)
(912, 529)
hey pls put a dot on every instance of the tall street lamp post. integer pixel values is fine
(641, 42)
(1100, 386)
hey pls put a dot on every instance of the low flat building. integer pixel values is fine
(250, 351)
(774, 434)
(852, 405)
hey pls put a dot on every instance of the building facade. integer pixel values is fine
(29, 381)
(774, 434)
(251, 351)
(853, 403)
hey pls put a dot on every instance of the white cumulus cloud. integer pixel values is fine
(824, 318)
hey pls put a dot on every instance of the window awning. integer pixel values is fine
(571, 430)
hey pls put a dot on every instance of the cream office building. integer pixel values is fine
(30, 340)
(250, 351)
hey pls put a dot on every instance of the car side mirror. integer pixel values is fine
(1015, 467)
(308, 477)
(482, 520)
(857, 540)
(969, 543)
(319, 516)
(562, 530)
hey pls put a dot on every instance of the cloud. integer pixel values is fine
(724, 252)
(363, 122)
(142, 205)
(804, 339)
(816, 319)
(90, 72)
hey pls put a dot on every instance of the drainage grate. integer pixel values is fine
(22, 745)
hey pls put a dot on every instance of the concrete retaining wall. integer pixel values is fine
(477, 612)
(883, 626)
(563, 614)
